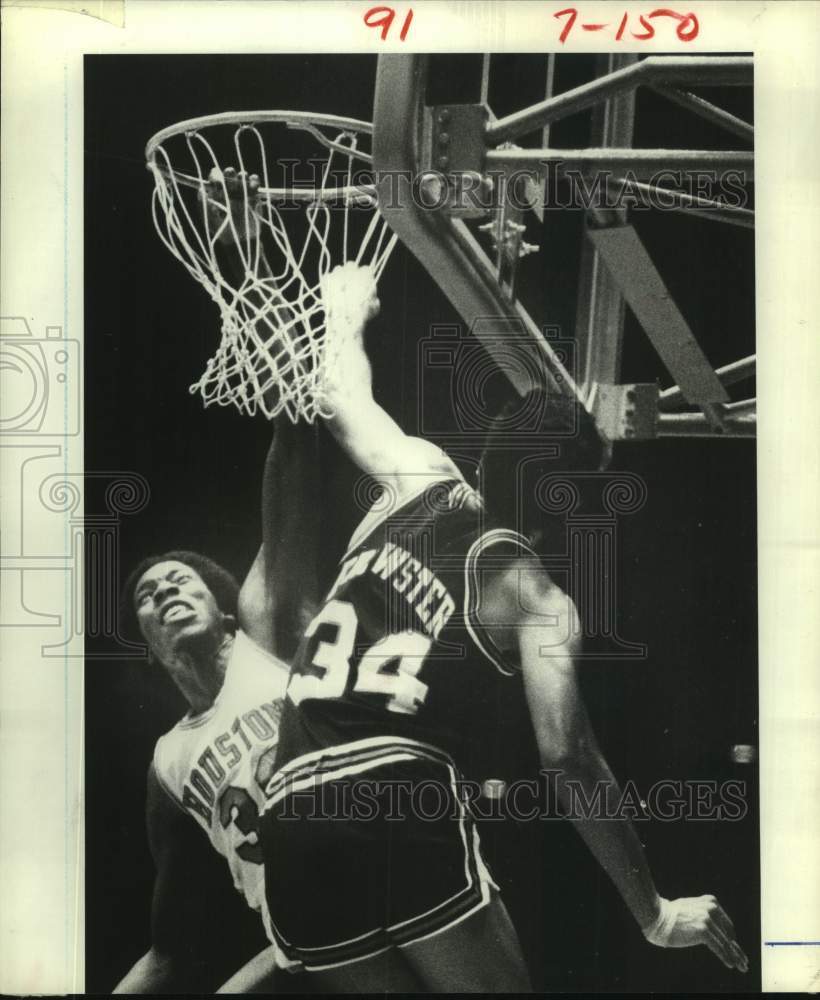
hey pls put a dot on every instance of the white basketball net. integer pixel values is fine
(261, 252)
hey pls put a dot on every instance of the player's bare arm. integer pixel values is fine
(528, 613)
(255, 976)
(369, 435)
(176, 906)
(279, 595)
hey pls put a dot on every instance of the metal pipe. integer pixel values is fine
(703, 70)
(728, 375)
(554, 108)
(707, 110)
(485, 78)
(738, 370)
(705, 208)
(549, 87)
(696, 425)
(742, 406)
(743, 217)
(643, 162)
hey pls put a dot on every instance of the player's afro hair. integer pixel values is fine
(219, 581)
(543, 421)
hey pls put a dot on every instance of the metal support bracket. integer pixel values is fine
(626, 412)
(454, 138)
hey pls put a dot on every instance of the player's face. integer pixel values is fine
(173, 604)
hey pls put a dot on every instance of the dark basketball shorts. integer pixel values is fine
(368, 845)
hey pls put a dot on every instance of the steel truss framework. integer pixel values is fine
(455, 155)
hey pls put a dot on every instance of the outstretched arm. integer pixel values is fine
(280, 594)
(369, 435)
(536, 618)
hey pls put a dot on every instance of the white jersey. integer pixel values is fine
(215, 765)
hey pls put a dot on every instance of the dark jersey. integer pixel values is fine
(398, 648)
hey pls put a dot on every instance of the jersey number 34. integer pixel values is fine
(389, 668)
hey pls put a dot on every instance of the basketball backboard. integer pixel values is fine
(464, 197)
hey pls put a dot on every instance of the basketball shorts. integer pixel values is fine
(368, 845)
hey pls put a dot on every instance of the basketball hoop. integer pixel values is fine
(261, 249)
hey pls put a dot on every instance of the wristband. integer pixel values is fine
(661, 927)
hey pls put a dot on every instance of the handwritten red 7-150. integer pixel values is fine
(686, 25)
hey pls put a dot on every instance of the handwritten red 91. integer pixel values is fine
(383, 17)
(687, 27)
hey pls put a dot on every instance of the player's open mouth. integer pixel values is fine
(175, 611)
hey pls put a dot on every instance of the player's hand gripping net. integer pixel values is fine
(262, 252)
